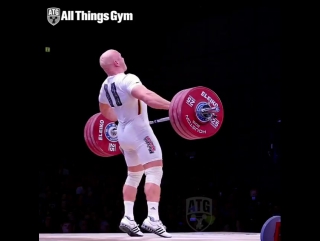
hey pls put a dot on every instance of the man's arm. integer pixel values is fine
(150, 98)
(107, 111)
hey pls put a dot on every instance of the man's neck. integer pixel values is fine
(113, 73)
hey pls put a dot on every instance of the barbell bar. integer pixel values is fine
(194, 113)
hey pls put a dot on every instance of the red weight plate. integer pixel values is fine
(88, 142)
(177, 120)
(89, 145)
(194, 100)
(87, 137)
(179, 103)
(104, 133)
(172, 117)
(91, 139)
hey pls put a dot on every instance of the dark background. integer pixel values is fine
(233, 49)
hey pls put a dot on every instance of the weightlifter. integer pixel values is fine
(124, 98)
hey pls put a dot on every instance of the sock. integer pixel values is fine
(128, 209)
(153, 210)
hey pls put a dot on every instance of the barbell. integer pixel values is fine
(194, 113)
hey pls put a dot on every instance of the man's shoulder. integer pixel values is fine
(131, 78)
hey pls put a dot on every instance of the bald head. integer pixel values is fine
(112, 62)
(108, 57)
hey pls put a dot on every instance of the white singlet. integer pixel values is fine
(135, 136)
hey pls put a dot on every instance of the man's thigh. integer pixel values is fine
(131, 158)
(149, 149)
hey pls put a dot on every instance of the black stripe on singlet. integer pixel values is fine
(139, 107)
(108, 95)
(115, 94)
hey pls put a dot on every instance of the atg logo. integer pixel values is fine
(199, 213)
(54, 16)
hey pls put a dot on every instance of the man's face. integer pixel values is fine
(124, 65)
(121, 63)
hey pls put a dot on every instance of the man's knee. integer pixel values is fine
(154, 175)
(134, 178)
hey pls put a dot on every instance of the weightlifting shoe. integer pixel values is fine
(156, 227)
(130, 227)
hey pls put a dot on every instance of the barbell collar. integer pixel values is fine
(210, 110)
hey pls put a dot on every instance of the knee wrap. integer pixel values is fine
(134, 178)
(154, 175)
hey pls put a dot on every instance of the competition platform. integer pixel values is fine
(192, 236)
